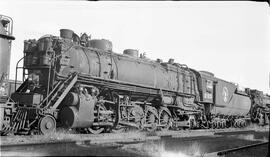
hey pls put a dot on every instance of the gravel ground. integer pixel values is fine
(66, 136)
(62, 135)
(65, 149)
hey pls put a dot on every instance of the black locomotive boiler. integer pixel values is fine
(76, 82)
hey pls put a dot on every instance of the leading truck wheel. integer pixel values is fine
(47, 124)
(95, 130)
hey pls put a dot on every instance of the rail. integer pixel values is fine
(223, 152)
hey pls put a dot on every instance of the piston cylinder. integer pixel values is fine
(71, 99)
(80, 116)
(69, 116)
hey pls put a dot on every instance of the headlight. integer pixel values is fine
(30, 78)
(33, 78)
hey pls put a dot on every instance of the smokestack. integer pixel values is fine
(171, 61)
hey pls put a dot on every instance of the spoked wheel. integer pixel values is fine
(138, 114)
(118, 128)
(244, 124)
(219, 125)
(223, 124)
(97, 129)
(47, 124)
(165, 120)
(151, 119)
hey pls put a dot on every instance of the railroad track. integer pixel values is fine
(118, 137)
(115, 143)
(238, 150)
(227, 151)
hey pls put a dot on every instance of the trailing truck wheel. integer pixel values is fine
(47, 124)
(245, 124)
(165, 120)
(235, 124)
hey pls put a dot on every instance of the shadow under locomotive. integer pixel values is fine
(80, 83)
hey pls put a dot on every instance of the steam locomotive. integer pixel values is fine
(79, 83)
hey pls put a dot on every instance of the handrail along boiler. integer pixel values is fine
(76, 82)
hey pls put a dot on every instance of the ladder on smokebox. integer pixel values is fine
(50, 103)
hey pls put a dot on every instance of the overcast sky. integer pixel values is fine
(229, 39)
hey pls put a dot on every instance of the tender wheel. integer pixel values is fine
(47, 124)
(214, 125)
(236, 124)
(244, 124)
(151, 120)
(165, 120)
(219, 125)
(224, 124)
